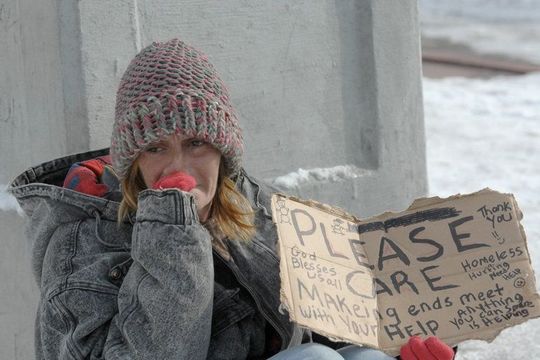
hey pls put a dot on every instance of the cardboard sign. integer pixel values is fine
(456, 268)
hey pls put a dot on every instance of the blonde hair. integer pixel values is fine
(230, 211)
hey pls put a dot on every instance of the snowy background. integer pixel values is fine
(486, 132)
(498, 27)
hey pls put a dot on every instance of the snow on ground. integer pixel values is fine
(486, 133)
(504, 27)
(297, 178)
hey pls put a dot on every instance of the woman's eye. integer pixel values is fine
(197, 143)
(153, 149)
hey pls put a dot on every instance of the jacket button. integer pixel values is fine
(115, 274)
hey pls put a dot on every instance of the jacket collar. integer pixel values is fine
(45, 181)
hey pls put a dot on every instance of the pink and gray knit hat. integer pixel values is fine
(171, 88)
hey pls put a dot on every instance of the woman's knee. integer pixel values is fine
(310, 351)
(353, 352)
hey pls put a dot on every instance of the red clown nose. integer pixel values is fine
(179, 180)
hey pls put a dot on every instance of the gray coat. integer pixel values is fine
(143, 289)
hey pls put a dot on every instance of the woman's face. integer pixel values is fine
(182, 153)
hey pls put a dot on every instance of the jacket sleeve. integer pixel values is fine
(163, 308)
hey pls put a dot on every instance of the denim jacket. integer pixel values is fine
(143, 289)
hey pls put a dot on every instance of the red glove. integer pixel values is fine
(430, 349)
(85, 176)
(177, 180)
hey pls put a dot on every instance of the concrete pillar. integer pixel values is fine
(19, 293)
(331, 87)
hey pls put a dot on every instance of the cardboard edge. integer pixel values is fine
(519, 217)
(424, 202)
(329, 209)
(488, 337)
(415, 205)
(283, 297)
(433, 200)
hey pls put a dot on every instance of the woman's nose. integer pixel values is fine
(178, 162)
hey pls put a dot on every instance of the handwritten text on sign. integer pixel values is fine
(455, 268)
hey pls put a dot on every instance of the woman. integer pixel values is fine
(164, 249)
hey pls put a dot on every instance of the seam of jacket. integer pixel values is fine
(81, 285)
(177, 216)
(130, 310)
(69, 321)
(61, 283)
(266, 249)
(39, 277)
(258, 203)
(267, 214)
(134, 301)
(67, 283)
(111, 351)
(230, 302)
(73, 238)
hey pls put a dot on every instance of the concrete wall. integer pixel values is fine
(18, 291)
(317, 84)
(31, 91)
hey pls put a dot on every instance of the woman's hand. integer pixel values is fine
(176, 180)
(430, 349)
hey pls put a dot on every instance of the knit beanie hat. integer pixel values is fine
(171, 88)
